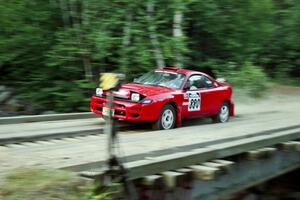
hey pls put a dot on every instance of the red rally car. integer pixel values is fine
(166, 96)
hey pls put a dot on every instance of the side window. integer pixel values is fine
(194, 82)
(206, 82)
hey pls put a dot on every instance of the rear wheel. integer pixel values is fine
(167, 118)
(223, 114)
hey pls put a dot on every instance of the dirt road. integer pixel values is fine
(279, 109)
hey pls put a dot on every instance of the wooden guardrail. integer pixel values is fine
(49, 117)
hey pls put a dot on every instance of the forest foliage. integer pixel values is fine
(52, 51)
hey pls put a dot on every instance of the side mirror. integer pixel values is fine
(221, 80)
(186, 86)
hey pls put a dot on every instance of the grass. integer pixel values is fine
(46, 184)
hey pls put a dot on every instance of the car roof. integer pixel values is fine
(181, 70)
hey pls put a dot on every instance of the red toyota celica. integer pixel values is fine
(166, 96)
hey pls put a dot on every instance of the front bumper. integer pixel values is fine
(126, 110)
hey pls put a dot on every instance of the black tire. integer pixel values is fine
(223, 114)
(167, 113)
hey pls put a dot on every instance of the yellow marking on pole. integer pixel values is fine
(108, 81)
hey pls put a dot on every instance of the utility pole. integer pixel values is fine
(116, 172)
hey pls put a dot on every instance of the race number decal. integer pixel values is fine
(194, 101)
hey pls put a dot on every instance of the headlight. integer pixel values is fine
(146, 101)
(135, 97)
(99, 91)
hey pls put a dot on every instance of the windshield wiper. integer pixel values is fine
(156, 85)
(138, 83)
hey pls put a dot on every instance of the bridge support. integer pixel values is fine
(220, 178)
(248, 172)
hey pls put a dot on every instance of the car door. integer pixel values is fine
(193, 104)
(209, 94)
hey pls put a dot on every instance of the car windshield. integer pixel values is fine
(160, 78)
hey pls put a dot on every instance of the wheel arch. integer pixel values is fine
(177, 110)
(172, 103)
(231, 106)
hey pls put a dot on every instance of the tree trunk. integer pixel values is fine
(86, 58)
(64, 12)
(153, 36)
(126, 42)
(52, 3)
(85, 14)
(78, 28)
(177, 33)
(87, 68)
(127, 30)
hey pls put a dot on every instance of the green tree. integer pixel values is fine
(52, 51)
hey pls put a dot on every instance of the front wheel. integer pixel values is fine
(223, 114)
(167, 118)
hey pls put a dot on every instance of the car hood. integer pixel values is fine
(145, 90)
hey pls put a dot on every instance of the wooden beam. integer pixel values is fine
(287, 146)
(188, 173)
(151, 180)
(226, 164)
(172, 179)
(260, 153)
(205, 173)
(296, 145)
(267, 152)
(225, 167)
(253, 155)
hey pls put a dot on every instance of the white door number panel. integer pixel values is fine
(194, 100)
